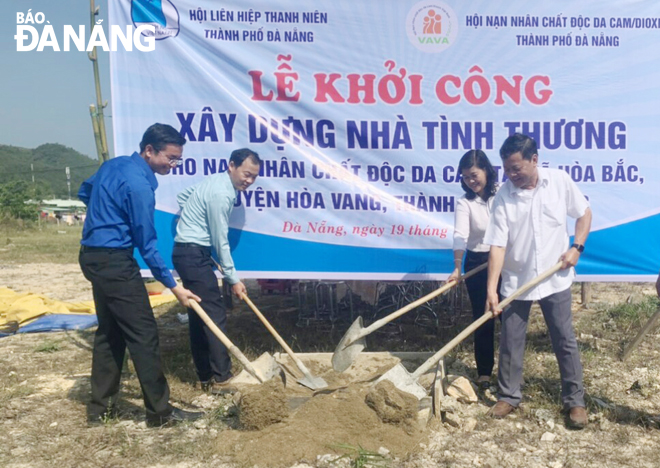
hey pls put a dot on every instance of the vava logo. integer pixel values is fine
(161, 14)
(432, 26)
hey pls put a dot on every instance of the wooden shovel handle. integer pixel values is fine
(385, 320)
(225, 341)
(649, 325)
(276, 335)
(483, 319)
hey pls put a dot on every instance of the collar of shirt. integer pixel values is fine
(229, 186)
(146, 170)
(542, 182)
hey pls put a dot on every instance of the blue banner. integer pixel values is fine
(361, 111)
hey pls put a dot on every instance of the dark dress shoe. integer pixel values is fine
(175, 417)
(501, 410)
(577, 417)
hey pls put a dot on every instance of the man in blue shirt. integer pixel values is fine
(120, 217)
(204, 226)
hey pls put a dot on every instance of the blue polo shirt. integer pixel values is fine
(121, 203)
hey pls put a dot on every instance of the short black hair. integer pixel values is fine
(240, 155)
(160, 135)
(519, 143)
(478, 158)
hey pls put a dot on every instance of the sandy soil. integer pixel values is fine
(45, 384)
(64, 282)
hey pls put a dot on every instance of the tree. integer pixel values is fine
(13, 200)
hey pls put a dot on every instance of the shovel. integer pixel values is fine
(262, 370)
(309, 381)
(407, 382)
(649, 325)
(353, 342)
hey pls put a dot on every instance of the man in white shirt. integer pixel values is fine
(528, 234)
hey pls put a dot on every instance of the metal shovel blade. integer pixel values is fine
(344, 355)
(313, 383)
(403, 380)
(265, 367)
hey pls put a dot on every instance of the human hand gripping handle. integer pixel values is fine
(493, 303)
(184, 296)
(433, 360)
(494, 307)
(454, 275)
(570, 258)
(239, 290)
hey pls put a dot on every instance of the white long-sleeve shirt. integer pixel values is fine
(470, 222)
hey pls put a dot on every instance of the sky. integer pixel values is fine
(45, 96)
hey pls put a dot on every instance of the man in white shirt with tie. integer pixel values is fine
(528, 234)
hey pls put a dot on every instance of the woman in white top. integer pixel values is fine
(479, 181)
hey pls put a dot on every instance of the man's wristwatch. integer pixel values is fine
(578, 247)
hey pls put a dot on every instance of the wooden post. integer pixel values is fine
(586, 294)
(439, 389)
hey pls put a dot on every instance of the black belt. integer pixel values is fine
(191, 244)
(86, 248)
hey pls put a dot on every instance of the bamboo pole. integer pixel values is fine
(103, 154)
(97, 134)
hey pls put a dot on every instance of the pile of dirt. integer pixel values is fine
(263, 405)
(321, 426)
(393, 405)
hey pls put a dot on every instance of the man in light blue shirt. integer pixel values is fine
(203, 227)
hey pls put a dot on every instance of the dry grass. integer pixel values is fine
(44, 243)
(44, 386)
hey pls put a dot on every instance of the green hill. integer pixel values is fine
(49, 162)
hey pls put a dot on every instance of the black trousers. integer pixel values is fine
(125, 320)
(484, 344)
(195, 267)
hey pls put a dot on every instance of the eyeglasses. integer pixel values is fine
(174, 162)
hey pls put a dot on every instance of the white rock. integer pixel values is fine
(548, 437)
(200, 424)
(53, 424)
(383, 451)
(423, 417)
(543, 415)
(426, 380)
(469, 425)
(449, 404)
(461, 389)
(452, 420)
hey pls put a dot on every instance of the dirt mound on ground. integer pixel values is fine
(319, 426)
(393, 405)
(263, 405)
